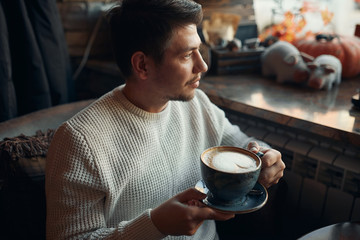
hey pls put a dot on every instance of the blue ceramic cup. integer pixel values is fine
(229, 173)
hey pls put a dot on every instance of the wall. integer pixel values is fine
(79, 18)
(87, 36)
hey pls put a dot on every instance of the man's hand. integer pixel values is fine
(184, 213)
(272, 165)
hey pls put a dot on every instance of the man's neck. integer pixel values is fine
(143, 98)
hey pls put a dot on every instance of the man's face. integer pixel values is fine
(179, 73)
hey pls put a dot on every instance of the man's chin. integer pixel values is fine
(184, 98)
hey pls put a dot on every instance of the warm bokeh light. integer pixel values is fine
(294, 22)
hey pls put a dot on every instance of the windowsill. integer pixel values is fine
(326, 113)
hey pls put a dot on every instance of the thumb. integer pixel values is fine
(253, 147)
(190, 194)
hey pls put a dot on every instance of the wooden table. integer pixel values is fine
(343, 231)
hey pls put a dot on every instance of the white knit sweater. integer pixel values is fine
(112, 163)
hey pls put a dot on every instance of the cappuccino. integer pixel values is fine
(229, 173)
(232, 162)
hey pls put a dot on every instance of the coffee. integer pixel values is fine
(229, 173)
(229, 161)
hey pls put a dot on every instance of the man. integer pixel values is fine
(125, 167)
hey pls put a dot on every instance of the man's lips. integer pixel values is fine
(194, 82)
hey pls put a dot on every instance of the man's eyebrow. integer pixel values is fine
(187, 49)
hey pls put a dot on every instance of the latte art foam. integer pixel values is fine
(232, 162)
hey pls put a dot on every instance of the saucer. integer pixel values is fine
(253, 202)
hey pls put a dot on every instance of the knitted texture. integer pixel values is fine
(108, 166)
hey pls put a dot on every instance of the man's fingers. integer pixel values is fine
(210, 213)
(190, 194)
(272, 175)
(253, 146)
(270, 158)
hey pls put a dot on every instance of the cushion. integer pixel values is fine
(24, 156)
(22, 189)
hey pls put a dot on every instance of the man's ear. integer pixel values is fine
(139, 64)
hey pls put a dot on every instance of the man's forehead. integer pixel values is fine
(185, 38)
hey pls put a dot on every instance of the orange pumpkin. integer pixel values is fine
(345, 48)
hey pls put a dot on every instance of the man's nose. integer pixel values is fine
(200, 65)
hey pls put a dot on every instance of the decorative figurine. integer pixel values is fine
(325, 72)
(283, 60)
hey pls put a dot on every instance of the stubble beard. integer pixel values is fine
(185, 97)
(182, 97)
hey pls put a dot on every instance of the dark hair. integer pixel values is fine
(147, 26)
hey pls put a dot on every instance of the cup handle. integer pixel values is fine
(260, 154)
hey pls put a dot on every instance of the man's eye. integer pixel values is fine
(188, 55)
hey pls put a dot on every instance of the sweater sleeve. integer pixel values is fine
(230, 134)
(235, 137)
(76, 195)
